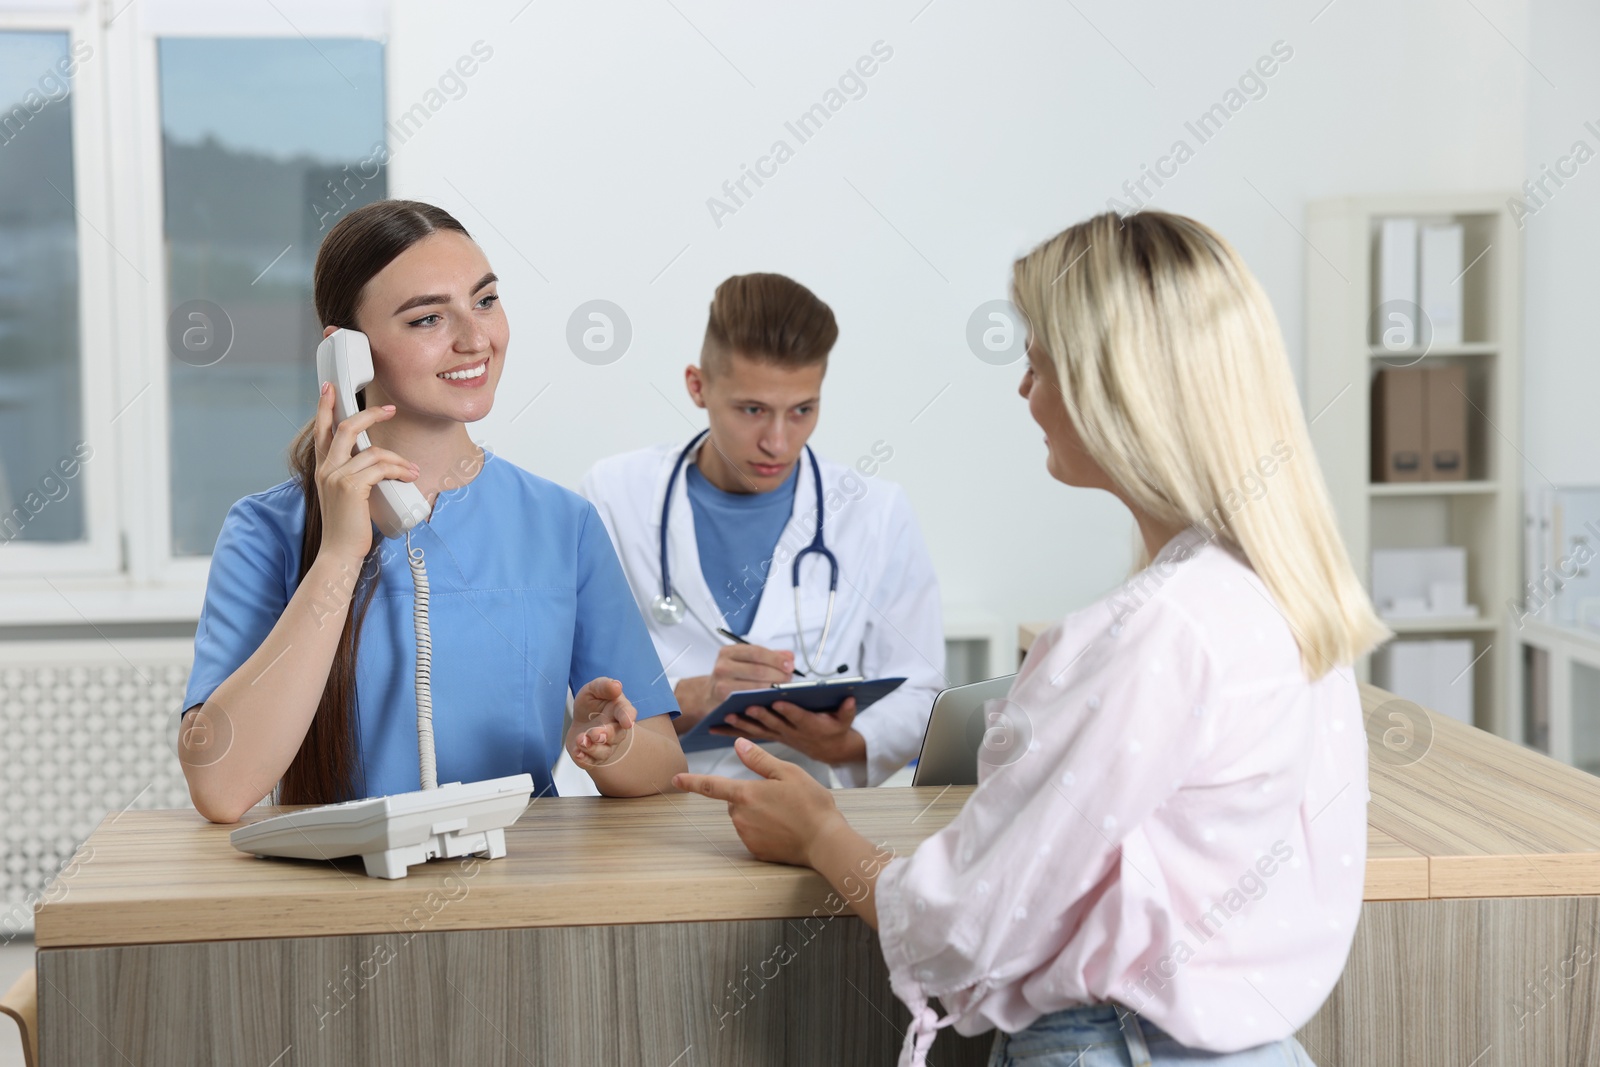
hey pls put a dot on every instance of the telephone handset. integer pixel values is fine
(344, 358)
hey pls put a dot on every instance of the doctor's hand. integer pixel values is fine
(602, 724)
(737, 667)
(780, 817)
(826, 736)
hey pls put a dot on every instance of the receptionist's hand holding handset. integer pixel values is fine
(358, 483)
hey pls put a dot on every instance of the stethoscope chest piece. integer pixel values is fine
(667, 610)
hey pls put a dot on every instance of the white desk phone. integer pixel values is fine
(395, 832)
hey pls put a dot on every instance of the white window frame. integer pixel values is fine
(125, 571)
(98, 554)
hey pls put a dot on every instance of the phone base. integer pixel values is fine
(392, 863)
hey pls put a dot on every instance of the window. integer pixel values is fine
(41, 369)
(266, 143)
(167, 172)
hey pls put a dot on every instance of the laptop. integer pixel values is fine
(955, 733)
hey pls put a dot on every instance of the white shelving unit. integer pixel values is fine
(1483, 513)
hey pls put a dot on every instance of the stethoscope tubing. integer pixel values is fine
(668, 608)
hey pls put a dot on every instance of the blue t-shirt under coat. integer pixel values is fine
(737, 534)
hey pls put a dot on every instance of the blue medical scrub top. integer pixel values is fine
(526, 600)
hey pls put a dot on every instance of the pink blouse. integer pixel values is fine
(1168, 815)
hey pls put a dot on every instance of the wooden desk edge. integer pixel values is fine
(97, 924)
(1396, 878)
(233, 906)
(1396, 870)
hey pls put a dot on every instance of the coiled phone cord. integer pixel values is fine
(419, 618)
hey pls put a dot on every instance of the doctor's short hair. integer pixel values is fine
(1171, 365)
(770, 318)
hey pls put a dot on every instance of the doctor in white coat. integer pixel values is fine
(740, 504)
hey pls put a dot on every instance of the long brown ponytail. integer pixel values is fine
(328, 766)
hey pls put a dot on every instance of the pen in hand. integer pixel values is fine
(736, 639)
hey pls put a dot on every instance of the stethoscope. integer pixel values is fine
(668, 609)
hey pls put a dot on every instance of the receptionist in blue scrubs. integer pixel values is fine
(306, 673)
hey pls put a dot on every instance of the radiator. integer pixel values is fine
(89, 730)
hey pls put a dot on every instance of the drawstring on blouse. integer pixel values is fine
(925, 1022)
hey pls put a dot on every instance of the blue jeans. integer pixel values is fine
(1105, 1035)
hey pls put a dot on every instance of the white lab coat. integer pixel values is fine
(886, 618)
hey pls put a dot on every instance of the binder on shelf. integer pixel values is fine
(1439, 282)
(1561, 557)
(1419, 424)
(1535, 528)
(1572, 576)
(1397, 426)
(1397, 282)
(1535, 542)
(1444, 418)
(1536, 712)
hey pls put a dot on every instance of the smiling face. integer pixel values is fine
(1066, 460)
(761, 415)
(435, 310)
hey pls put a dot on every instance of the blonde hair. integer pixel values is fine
(1172, 368)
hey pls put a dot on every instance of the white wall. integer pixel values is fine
(584, 151)
(1562, 371)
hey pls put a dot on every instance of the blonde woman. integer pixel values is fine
(1167, 867)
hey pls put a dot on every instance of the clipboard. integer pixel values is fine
(813, 696)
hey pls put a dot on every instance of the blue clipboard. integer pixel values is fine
(820, 696)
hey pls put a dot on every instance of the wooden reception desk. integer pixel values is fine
(640, 932)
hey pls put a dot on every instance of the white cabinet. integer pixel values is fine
(1345, 350)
